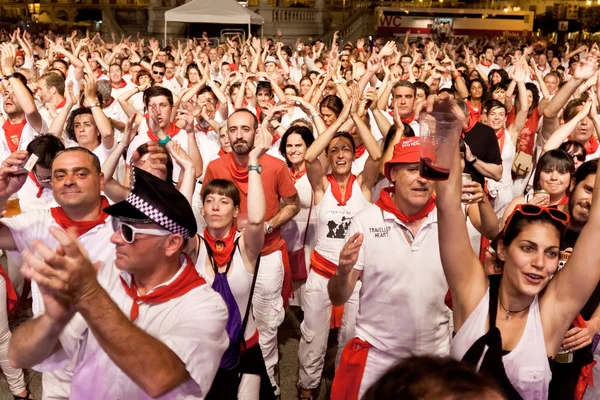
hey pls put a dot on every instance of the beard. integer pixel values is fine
(241, 147)
(578, 219)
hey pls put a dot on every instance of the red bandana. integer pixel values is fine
(187, 280)
(501, 135)
(486, 63)
(386, 203)
(120, 85)
(221, 153)
(169, 78)
(112, 100)
(98, 74)
(222, 249)
(82, 227)
(202, 130)
(13, 134)
(239, 174)
(337, 193)
(297, 175)
(40, 187)
(408, 119)
(360, 150)
(592, 146)
(61, 104)
(172, 130)
(564, 200)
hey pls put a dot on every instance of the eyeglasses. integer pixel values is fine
(532, 210)
(128, 232)
(158, 73)
(578, 157)
(43, 181)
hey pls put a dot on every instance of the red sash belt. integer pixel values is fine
(346, 383)
(251, 342)
(326, 269)
(11, 294)
(586, 377)
(274, 242)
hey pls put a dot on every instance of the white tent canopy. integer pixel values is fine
(213, 12)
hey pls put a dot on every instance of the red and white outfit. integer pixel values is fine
(333, 220)
(487, 67)
(114, 111)
(402, 312)
(46, 114)
(501, 192)
(192, 326)
(120, 88)
(172, 84)
(240, 281)
(25, 228)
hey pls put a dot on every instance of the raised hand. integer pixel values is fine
(262, 143)
(10, 180)
(349, 254)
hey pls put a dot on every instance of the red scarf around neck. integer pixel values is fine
(386, 203)
(13, 133)
(98, 73)
(61, 104)
(120, 85)
(564, 200)
(408, 119)
(221, 153)
(222, 249)
(360, 150)
(82, 227)
(297, 175)
(239, 174)
(592, 146)
(337, 193)
(172, 130)
(486, 63)
(37, 184)
(187, 280)
(501, 136)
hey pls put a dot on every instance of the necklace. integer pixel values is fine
(510, 313)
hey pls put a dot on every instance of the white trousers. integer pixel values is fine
(378, 362)
(249, 387)
(315, 328)
(14, 376)
(268, 308)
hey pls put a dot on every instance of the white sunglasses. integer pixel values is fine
(128, 231)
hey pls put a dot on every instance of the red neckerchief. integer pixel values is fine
(297, 175)
(541, 69)
(172, 130)
(564, 200)
(202, 130)
(190, 84)
(239, 174)
(258, 111)
(486, 64)
(82, 227)
(61, 104)
(360, 150)
(98, 74)
(472, 121)
(13, 134)
(167, 78)
(40, 187)
(408, 119)
(337, 193)
(222, 249)
(187, 280)
(120, 85)
(592, 145)
(112, 100)
(221, 153)
(386, 203)
(501, 135)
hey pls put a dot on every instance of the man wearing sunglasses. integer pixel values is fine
(77, 183)
(149, 308)
(158, 71)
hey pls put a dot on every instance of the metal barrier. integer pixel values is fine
(232, 33)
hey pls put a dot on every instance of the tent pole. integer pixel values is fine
(262, 35)
(165, 41)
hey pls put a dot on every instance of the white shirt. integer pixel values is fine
(402, 310)
(172, 85)
(28, 200)
(486, 69)
(192, 326)
(209, 150)
(27, 135)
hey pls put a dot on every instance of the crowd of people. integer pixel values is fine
(164, 204)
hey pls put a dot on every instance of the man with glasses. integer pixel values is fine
(125, 317)
(158, 71)
(77, 182)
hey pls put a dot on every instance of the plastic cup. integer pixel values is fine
(13, 207)
(439, 134)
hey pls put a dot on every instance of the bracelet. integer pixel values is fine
(456, 76)
(315, 115)
(163, 142)
(7, 77)
(95, 105)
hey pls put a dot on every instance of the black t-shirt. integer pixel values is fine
(484, 145)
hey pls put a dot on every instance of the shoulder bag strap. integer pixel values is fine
(308, 219)
(245, 321)
(494, 291)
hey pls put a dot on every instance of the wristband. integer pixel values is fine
(360, 50)
(456, 76)
(163, 142)
(95, 105)
(7, 77)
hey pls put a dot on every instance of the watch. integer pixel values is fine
(95, 105)
(268, 228)
(473, 161)
(163, 142)
(257, 168)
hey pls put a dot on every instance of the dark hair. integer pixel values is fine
(143, 72)
(484, 93)
(207, 89)
(425, 377)
(585, 169)
(143, 149)
(486, 48)
(156, 91)
(264, 86)
(63, 62)
(535, 96)
(499, 85)
(221, 187)
(46, 147)
(70, 126)
(573, 146)
(293, 87)
(303, 131)
(159, 64)
(404, 84)
(192, 66)
(571, 109)
(56, 81)
(334, 103)
(345, 135)
(408, 132)
(245, 110)
(490, 104)
(423, 86)
(554, 159)
(503, 76)
(519, 222)
(95, 160)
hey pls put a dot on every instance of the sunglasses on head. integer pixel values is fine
(578, 157)
(128, 232)
(158, 73)
(532, 210)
